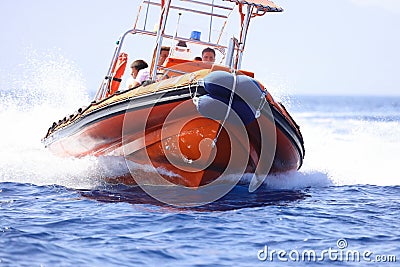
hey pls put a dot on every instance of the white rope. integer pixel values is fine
(261, 105)
(227, 111)
(194, 96)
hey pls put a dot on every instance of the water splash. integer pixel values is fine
(42, 90)
(352, 151)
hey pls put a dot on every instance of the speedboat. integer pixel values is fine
(192, 122)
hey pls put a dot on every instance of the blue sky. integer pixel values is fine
(341, 47)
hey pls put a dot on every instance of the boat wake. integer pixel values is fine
(353, 150)
(336, 153)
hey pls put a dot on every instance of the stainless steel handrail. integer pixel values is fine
(189, 10)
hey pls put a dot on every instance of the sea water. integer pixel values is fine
(342, 208)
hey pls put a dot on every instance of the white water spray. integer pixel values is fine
(45, 89)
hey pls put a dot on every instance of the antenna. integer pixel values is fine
(177, 24)
(211, 21)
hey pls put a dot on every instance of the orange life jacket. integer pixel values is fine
(117, 72)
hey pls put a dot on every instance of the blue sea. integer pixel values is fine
(341, 209)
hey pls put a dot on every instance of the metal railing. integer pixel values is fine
(235, 50)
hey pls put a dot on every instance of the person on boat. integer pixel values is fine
(139, 73)
(198, 59)
(163, 55)
(208, 55)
